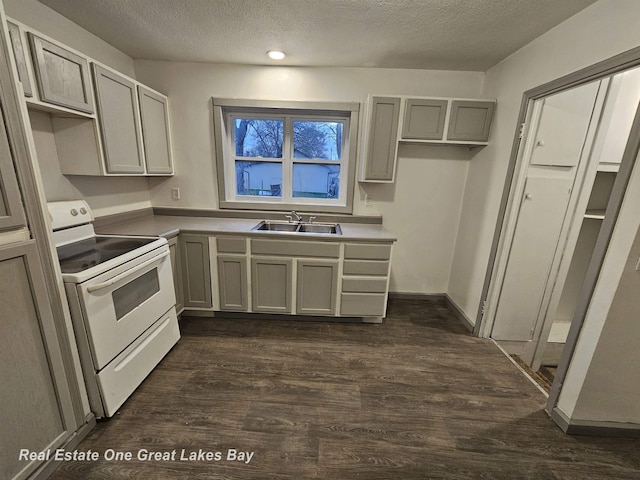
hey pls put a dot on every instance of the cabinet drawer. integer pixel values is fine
(365, 267)
(231, 245)
(367, 251)
(295, 249)
(364, 284)
(363, 304)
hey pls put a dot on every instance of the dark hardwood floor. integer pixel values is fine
(413, 398)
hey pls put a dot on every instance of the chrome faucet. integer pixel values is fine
(296, 215)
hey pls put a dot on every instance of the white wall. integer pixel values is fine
(104, 195)
(602, 30)
(421, 208)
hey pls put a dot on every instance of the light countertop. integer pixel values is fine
(169, 226)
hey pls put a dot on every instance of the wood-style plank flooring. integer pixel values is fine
(416, 397)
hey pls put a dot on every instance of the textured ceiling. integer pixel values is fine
(430, 34)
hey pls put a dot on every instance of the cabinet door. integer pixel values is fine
(196, 273)
(119, 122)
(540, 220)
(154, 116)
(317, 287)
(30, 414)
(424, 119)
(470, 120)
(562, 128)
(11, 213)
(62, 76)
(271, 284)
(383, 139)
(232, 279)
(21, 60)
(176, 269)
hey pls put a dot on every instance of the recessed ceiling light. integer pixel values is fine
(275, 54)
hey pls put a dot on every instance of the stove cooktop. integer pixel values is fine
(84, 254)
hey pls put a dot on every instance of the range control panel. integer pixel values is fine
(69, 214)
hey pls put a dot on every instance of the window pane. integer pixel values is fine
(262, 179)
(321, 140)
(258, 138)
(312, 180)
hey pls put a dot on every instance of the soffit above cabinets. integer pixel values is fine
(439, 34)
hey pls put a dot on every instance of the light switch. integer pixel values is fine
(175, 193)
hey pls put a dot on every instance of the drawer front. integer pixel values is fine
(365, 267)
(363, 304)
(364, 284)
(231, 245)
(367, 251)
(295, 249)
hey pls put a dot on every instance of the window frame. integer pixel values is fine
(226, 110)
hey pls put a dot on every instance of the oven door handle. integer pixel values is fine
(122, 275)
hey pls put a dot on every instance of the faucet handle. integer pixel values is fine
(311, 218)
(290, 218)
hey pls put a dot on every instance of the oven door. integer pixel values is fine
(119, 305)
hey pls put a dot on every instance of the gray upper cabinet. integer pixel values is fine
(62, 76)
(424, 119)
(382, 144)
(17, 45)
(470, 120)
(119, 122)
(156, 136)
(11, 212)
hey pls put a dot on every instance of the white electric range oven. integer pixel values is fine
(122, 302)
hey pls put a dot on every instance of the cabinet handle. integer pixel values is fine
(528, 196)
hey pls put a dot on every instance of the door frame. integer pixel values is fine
(611, 66)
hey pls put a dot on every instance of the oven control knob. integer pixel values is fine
(74, 212)
(83, 211)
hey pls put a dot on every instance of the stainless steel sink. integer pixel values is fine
(333, 228)
(288, 227)
(276, 226)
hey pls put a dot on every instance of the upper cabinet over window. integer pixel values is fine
(62, 76)
(392, 120)
(286, 155)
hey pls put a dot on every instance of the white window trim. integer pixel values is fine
(225, 109)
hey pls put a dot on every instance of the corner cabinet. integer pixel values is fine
(393, 120)
(196, 272)
(156, 134)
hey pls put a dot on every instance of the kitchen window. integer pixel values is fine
(286, 155)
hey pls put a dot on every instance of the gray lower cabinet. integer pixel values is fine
(156, 138)
(317, 287)
(233, 285)
(271, 284)
(196, 272)
(119, 119)
(176, 268)
(424, 119)
(382, 140)
(62, 76)
(365, 279)
(30, 414)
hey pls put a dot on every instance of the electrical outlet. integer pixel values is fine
(175, 193)
(368, 200)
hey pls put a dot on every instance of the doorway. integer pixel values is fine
(561, 203)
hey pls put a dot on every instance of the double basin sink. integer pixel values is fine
(298, 227)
